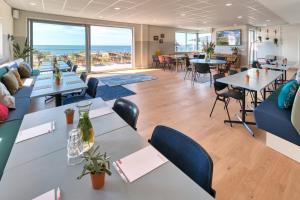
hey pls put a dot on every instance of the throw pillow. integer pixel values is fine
(24, 71)
(11, 82)
(287, 94)
(298, 76)
(25, 64)
(6, 98)
(295, 117)
(18, 77)
(3, 112)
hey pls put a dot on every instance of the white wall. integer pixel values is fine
(227, 49)
(7, 28)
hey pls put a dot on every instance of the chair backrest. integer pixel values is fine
(187, 61)
(217, 85)
(186, 154)
(92, 87)
(231, 72)
(169, 60)
(74, 69)
(220, 58)
(199, 56)
(155, 58)
(127, 110)
(161, 59)
(83, 76)
(244, 69)
(202, 68)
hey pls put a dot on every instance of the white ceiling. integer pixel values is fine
(193, 14)
(286, 9)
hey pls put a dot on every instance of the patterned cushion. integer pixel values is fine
(287, 94)
(295, 117)
(3, 112)
(24, 71)
(10, 81)
(25, 64)
(18, 77)
(6, 98)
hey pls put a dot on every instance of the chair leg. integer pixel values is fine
(226, 106)
(212, 110)
(210, 79)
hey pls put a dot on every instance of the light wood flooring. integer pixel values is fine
(244, 168)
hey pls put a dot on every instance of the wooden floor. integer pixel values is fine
(244, 168)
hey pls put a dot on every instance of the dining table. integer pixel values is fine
(177, 58)
(45, 86)
(258, 80)
(279, 67)
(49, 67)
(40, 164)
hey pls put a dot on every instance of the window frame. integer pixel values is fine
(186, 41)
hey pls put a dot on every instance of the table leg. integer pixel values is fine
(176, 65)
(255, 99)
(58, 100)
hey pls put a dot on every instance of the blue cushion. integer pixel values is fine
(75, 99)
(3, 70)
(35, 72)
(22, 107)
(287, 94)
(25, 91)
(271, 118)
(14, 66)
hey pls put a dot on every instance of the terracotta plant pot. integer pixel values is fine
(57, 81)
(98, 180)
(70, 117)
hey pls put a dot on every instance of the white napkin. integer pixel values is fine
(99, 112)
(35, 131)
(47, 196)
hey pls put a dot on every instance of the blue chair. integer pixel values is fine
(186, 154)
(89, 93)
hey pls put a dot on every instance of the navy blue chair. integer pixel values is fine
(89, 93)
(127, 110)
(186, 154)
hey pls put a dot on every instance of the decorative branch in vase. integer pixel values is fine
(209, 49)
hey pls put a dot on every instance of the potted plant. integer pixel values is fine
(69, 112)
(235, 50)
(275, 39)
(57, 76)
(97, 165)
(259, 38)
(209, 49)
(21, 51)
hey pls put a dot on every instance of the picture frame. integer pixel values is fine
(155, 38)
(161, 41)
(162, 35)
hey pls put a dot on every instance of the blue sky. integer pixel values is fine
(54, 34)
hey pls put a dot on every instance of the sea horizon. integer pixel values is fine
(73, 49)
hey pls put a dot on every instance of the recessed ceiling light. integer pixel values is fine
(117, 8)
(182, 14)
(228, 4)
(240, 17)
(100, 17)
(264, 24)
(32, 3)
(204, 22)
(268, 20)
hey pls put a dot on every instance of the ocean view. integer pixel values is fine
(59, 50)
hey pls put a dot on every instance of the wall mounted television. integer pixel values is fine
(229, 38)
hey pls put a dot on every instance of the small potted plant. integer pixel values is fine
(57, 76)
(235, 50)
(209, 49)
(69, 115)
(87, 131)
(97, 165)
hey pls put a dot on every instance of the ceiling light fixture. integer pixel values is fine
(268, 20)
(117, 8)
(204, 22)
(228, 4)
(182, 14)
(32, 3)
(100, 17)
(240, 17)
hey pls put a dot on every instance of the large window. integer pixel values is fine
(111, 48)
(63, 41)
(188, 42)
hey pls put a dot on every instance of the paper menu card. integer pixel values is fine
(47, 196)
(139, 163)
(99, 112)
(35, 131)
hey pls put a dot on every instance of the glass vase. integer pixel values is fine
(85, 125)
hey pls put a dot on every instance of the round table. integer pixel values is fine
(210, 62)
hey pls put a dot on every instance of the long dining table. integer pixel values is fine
(39, 165)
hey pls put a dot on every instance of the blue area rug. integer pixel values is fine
(125, 79)
(109, 93)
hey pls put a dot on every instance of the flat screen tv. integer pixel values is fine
(229, 38)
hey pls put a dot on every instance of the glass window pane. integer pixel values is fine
(203, 38)
(111, 48)
(62, 41)
(191, 42)
(180, 42)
